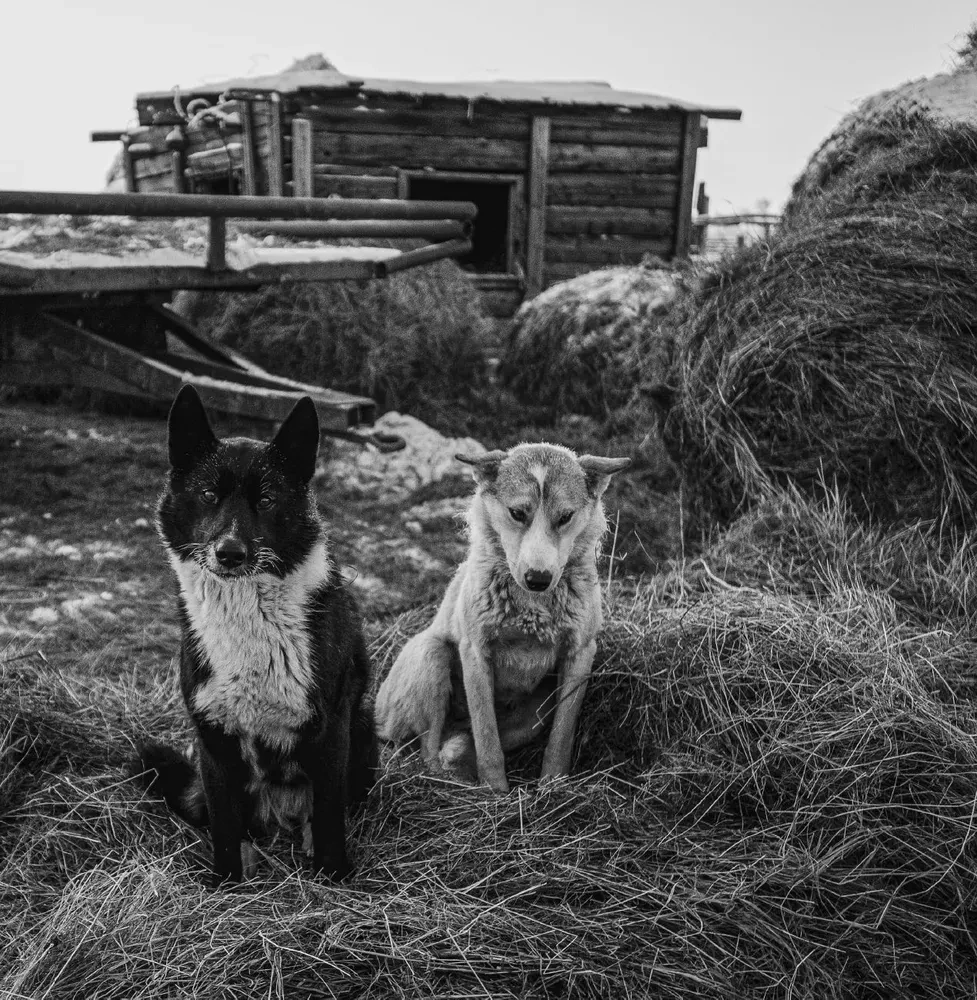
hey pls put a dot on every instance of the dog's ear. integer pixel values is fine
(485, 467)
(599, 471)
(297, 440)
(190, 434)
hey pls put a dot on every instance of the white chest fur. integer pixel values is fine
(254, 634)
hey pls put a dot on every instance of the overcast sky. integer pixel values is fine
(794, 69)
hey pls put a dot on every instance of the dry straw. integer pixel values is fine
(571, 349)
(775, 796)
(414, 342)
(844, 349)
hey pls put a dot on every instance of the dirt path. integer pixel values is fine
(82, 573)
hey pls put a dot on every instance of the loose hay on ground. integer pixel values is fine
(775, 796)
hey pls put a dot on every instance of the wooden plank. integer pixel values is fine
(353, 186)
(516, 232)
(16, 275)
(249, 166)
(608, 250)
(276, 168)
(86, 358)
(303, 185)
(454, 121)
(686, 191)
(624, 190)
(539, 155)
(383, 229)
(595, 158)
(342, 170)
(595, 221)
(140, 277)
(418, 152)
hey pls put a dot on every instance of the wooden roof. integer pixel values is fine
(580, 93)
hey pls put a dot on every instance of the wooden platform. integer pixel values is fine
(99, 317)
(72, 272)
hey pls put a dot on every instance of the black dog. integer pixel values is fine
(273, 665)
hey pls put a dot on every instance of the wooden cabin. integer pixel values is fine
(567, 176)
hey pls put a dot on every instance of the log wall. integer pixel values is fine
(614, 188)
(613, 179)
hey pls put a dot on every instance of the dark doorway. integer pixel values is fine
(490, 239)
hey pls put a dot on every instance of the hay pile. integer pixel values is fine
(844, 350)
(775, 796)
(414, 342)
(571, 349)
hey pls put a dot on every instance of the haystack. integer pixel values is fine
(415, 342)
(876, 147)
(844, 350)
(571, 349)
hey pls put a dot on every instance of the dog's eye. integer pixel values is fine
(208, 496)
(517, 515)
(564, 519)
(265, 502)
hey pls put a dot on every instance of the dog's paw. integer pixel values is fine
(333, 869)
(457, 758)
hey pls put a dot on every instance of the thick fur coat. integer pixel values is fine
(511, 647)
(273, 665)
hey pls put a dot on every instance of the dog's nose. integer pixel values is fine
(538, 579)
(231, 553)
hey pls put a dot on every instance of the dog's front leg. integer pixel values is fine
(573, 687)
(480, 693)
(329, 797)
(222, 773)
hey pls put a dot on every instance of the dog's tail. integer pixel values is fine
(165, 772)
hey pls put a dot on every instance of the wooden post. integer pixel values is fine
(177, 172)
(302, 185)
(686, 188)
(539, 157)
(276, 172)
(249, 178)
(216, 234)
(129, 165)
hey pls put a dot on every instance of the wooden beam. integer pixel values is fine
(419, 151)
(353, 186)
(539, 157)
(686, 191)
(76, 356)
(129, 167)
(178, 171)
(388, 229)
(573, 157)
(249, 163)
(608, 250)
(602, 221)
(302, 178)
(276, 170)
(423, 255)
(216, 243)
(624, 190)
(199, 206)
